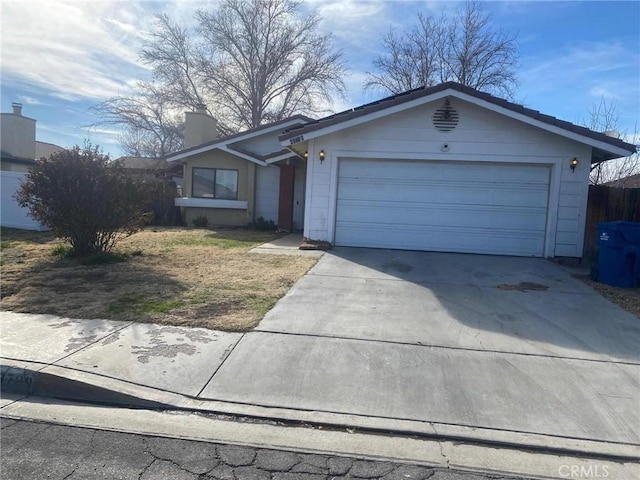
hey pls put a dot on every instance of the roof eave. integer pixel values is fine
(225, 142)
(293, 137)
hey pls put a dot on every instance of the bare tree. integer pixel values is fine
(150, 127)
(409, 62)
(604, 116)
(250, 61)
(265, 62)
(464, 48)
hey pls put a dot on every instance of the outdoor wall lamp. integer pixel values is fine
(573, 164)
(306, 155)
(321, 156)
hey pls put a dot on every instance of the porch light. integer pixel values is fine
(573, 164)
(306, 155)
(321, 156)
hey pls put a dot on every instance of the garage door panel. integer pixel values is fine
(445, 239)
(400, 214)
(431, 192)
(478, 208)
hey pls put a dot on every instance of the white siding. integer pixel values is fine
(481, 136)
(267, 192)
(12, 215)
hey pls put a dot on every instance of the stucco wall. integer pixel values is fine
(216, 216)
(480, 136)
(246, 179)
(18, 135)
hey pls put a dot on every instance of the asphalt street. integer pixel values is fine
(33, 450)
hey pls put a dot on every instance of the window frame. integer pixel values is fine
(215, 176)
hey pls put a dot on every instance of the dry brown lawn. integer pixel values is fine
(174, 276)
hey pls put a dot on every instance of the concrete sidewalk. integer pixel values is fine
(154, 366)
(403, 343)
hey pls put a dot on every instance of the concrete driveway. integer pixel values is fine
(447, 339)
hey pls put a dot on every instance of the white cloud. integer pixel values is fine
(355, 21)
(30, 100)
(567, 65)
(74, 49)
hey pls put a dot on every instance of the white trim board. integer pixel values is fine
(464, 97)
(211, 203)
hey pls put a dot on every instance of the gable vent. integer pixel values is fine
(445, 118)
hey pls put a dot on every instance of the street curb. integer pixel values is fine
(29, 382)
(31, 379)
(439, 454)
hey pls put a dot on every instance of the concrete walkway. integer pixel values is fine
(287, 245)
(401, 341)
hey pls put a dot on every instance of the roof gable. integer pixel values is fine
(233, 143)
(606, 147)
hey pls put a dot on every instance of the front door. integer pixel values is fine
(298, 197)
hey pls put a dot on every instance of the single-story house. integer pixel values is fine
(443, 168)
(236, 180)
(448, 168)
(632, 181)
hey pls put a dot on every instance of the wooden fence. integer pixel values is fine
(607, 204)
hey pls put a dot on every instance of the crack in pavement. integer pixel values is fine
(149, 450)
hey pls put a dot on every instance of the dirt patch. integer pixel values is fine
(523, 287)
(315, 245)
(191, 277)
(627, 298)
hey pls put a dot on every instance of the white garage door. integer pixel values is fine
(443, 206)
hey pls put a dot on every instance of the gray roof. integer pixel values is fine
(44, 149)
(632, 181)
(9, 158)
(417, 93)
(229, 138)
(144, 163)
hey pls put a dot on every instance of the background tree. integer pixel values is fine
(463, 48)
(84, 198)
(604, 116)
(250, 61)
(151, 126)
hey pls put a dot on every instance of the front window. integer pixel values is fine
(215, 183)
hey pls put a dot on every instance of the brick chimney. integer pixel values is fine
(17, 108)
(199, 127)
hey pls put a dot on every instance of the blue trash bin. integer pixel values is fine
(619, 253)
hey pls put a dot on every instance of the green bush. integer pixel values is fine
(62, 250)
(85, 199)
(264, 225)
(161, 195)
(200, 222)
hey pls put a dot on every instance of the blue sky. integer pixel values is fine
(60, 57)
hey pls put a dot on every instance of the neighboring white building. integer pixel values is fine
(19, 149)
(448, 168)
